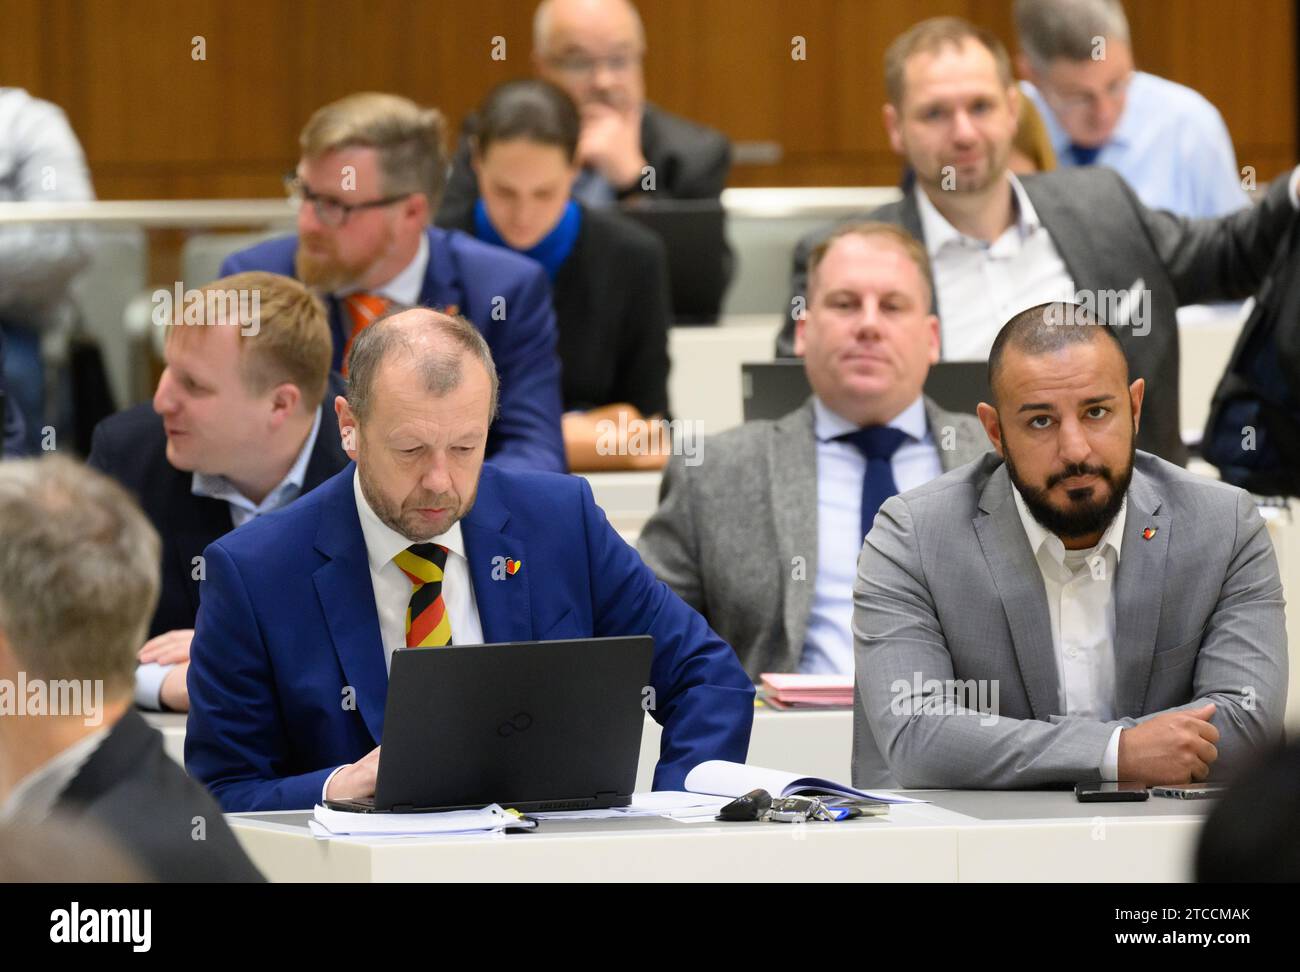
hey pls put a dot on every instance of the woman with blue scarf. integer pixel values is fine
(609, 276)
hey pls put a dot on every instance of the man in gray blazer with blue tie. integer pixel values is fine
(1068, 609)
(762, 535)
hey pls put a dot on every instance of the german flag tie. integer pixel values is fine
(363, 310)
(427, 623)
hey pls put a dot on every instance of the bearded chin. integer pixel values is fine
(1084, 516)
(319, 273)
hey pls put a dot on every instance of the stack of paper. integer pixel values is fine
(792, 690)
(340, 823)
(675, 805)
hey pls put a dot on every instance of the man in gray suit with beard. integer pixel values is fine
(1069, 609)
(999, 243)
(762, 536)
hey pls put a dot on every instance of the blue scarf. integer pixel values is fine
(553, 248)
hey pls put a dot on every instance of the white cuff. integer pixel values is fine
(1110, 762)
(1295, 187)
(326, 788)
(148, 685)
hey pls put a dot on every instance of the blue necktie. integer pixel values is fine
(1083, 155)
(878, 443)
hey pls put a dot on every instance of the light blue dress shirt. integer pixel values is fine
(841, 467)
(1170, 145)
(149, 677)
(243, 509)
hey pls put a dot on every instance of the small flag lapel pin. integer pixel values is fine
(1149, 532)
(513, 566)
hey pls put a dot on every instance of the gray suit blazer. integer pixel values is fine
(1111, 242)
(948, 589)
(728, 531)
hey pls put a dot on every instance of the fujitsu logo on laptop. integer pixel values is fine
(518, 723)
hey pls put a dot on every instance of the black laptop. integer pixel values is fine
(532, 726)
(699, 260)
(770, 389)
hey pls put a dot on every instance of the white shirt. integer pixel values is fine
(1080, 587)
(34, 797)
(841, 467)
(149, 677)
(980, 286)
(404, 288)
(392, 588)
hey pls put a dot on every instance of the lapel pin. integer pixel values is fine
(1149, 532)
(512, 567)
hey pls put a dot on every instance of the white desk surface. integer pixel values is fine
(961, 836)
(814, 743)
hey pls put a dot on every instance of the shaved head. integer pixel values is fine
(1046, 329)
(555, 17)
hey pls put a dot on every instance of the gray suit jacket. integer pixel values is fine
(949, 589)
(727, 531)
(1109, 242)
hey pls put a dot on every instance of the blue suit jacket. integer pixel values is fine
(508, 298)
(288, 619)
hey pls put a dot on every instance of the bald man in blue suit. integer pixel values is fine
(302, 609)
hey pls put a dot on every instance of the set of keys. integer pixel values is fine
(761, 805)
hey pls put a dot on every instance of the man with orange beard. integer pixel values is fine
(369, 179)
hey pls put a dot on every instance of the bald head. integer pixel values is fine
(1047, 329)
(436, 345)
(422, 391)
(559, 20)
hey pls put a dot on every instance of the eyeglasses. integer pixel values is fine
(582, 66)
(329, 210)
(1081, 100)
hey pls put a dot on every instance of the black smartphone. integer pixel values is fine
(1121, 791)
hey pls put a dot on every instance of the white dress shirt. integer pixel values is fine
(392, 588)
(841, 467)
(404, 289)
(980, 286)
(149, 677)
(1080, 587)
(33, 799)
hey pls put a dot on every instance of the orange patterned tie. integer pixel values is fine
(363, 310)
(427, 623)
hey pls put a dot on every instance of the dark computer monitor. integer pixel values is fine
(699, 260)
(770, 389)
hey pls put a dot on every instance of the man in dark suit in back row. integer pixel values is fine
(78, 581)
(1000, 244)
(236, 429)
(630, 149)
(368, 182)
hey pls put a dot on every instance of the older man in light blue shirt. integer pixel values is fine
(1167, 141)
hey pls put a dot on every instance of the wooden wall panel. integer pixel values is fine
(156, 123)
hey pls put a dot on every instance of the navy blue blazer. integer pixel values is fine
(287, 620)
(508, 298)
